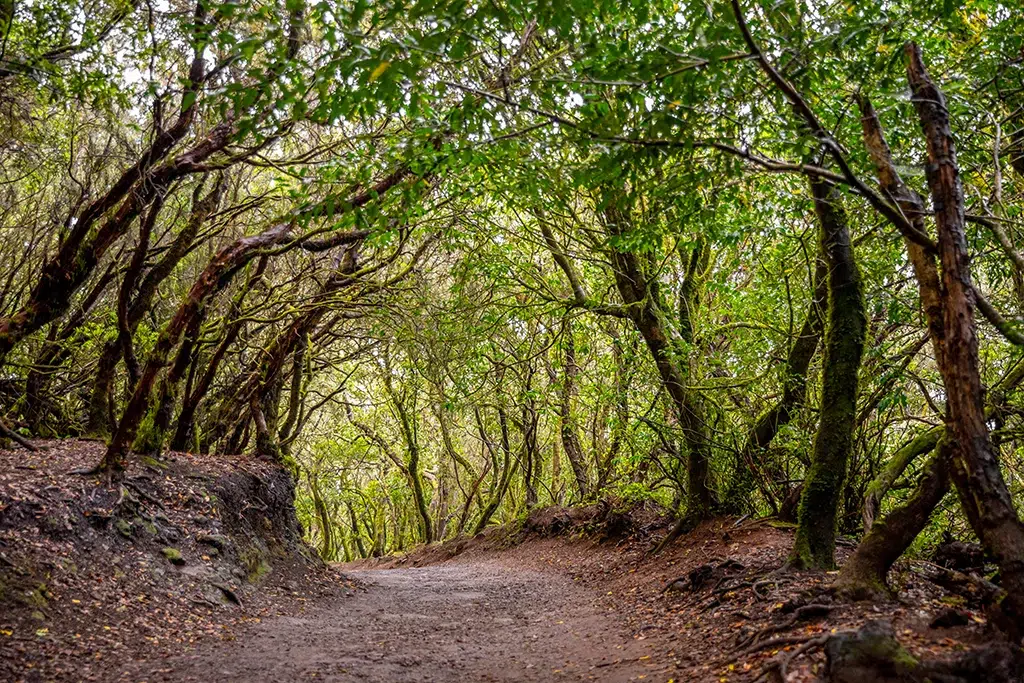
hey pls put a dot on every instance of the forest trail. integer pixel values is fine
(487, 620)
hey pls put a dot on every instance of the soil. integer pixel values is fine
(484, 620)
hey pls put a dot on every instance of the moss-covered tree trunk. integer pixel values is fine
(266, 412)
(530, 462)
(924, 442)
(865, 572)
(154, 429)
(59, 346)
(357, 535)
(131, 314)
(845, 332)
(183, 431)
(212, 280)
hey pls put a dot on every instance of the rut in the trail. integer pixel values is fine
(483, 621)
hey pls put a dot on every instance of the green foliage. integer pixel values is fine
(443, 355)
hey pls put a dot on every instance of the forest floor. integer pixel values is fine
(720, 603)
(89, 591)
(572, 597)
(482, 621)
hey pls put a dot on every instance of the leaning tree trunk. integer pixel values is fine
(924, 442)
(213, 279)
(129, 316)
(794, 389)
(648, 313)
(975, 466)
(186, 416)
(57, 349)
(218, 273)
(153, 434)
(863, 575)
(844, 345)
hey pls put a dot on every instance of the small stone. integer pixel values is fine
(868, 655)
(217, 541)
(173, 556)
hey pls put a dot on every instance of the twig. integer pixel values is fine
(7, 431)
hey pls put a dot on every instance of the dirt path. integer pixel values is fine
(481, 621)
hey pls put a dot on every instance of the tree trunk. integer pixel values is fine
(265, 408)
(234, 323)
(152, 437)
(648, 312)
(863, 575)
(57, 349)
(975, 469)
(129, 316)
(214, 278)
(294, 395)
(531, 458)
(357, 535)
(502, 481)
(567, 427)
(924, 442)
(844, 345)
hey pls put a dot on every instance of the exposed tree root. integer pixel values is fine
(806, 612)
(780, 664)
(757, 585)
(779, 641)
(697, 577)
(971, 586)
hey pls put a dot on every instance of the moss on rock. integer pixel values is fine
(173, 556)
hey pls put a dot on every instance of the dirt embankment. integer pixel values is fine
(182, 549)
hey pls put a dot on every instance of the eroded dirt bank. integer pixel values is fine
(486, 620)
